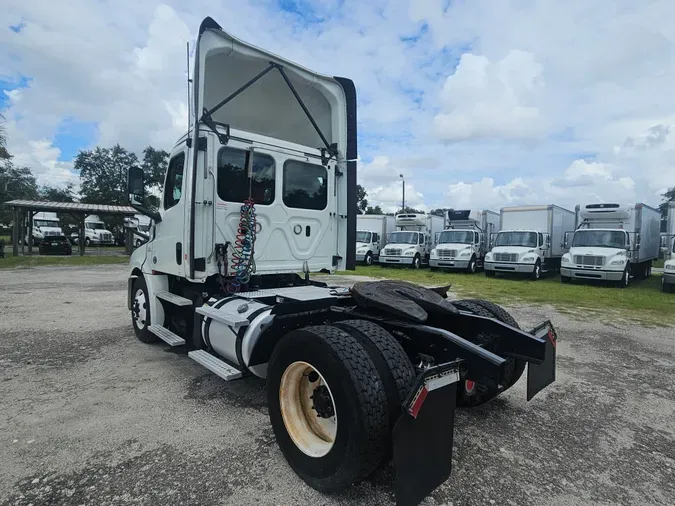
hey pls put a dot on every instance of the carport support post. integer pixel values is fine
(23, 232)
(30, 232)
(15, 233)
(129, 242)
(80, 222)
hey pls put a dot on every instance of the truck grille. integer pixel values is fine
(50, 233)
(106, 237)
(590, 260)
(447, 253)
(506, 257)
(392, 252)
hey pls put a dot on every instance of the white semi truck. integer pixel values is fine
(371, 236)
(668, 277)
(413, 240)
(465, 241)
(263, 187)
(140, 223)
(530, 240)
(612, 243)
(95, 232)
(45, 224)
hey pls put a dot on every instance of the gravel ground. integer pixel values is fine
(90, 416)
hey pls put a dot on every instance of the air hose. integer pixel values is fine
(243, 263)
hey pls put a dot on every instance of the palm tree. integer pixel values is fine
(4, 154)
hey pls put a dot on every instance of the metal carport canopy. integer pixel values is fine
(75, 208)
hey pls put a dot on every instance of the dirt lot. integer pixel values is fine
(88, 415)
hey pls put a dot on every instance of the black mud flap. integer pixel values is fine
(539, 376)
(422, 436)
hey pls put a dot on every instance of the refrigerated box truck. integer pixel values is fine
(371, 236)
(465, 241)
(612, 242)
(530, 240)
(413, 240)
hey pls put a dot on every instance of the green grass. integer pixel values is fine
(658, 263)
(10, 261)
(643, 301)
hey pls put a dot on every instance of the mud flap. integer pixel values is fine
(541, 375)
(422, 436)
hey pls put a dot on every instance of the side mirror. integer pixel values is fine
(637, 241)
(135, 185)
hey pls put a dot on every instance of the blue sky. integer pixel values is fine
(479, 104)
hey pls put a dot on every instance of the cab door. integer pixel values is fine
(167, 250)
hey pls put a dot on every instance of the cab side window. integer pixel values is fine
(420, 238)
(173, 188)
(541, 239)
(376, 238)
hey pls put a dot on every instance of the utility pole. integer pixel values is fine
(403, 201)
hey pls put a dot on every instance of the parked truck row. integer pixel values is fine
(607, 241)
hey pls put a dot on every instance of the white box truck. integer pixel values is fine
(413, 240)
(371, 236)
(612, 242)
(668, 276)
(465, 241)
(95, 232)
(263, 187)
(530, 240)
(45, 224)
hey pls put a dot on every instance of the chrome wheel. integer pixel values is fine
(308, 409)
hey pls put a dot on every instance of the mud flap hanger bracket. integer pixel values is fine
(327, 152)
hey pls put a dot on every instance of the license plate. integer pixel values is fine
(54, 243)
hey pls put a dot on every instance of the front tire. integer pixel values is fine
(87, 241)
(369, 259)
(337, 360)
(536, 272)
(417, 262)
(625, 279)
(471, 268)
(140, 311)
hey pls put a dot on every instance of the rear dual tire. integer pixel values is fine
(367, 374)
(470, 393)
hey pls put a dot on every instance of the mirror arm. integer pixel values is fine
(153, 215)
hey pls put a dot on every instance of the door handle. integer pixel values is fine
(179, 253)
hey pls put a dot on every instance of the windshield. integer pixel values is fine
(95, 226)
(456, 237)
(363, 236)
(46, 223)
(403, 238)
(599, 239)
(525, 239)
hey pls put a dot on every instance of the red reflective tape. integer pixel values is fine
(552, 339)
(419, 400)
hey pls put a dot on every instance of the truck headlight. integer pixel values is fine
(464, 254)
(618, 262)
(433, 253)
(409, 253)
(488, 257)
(528, 259)
(565, 260)
(670, 267)
(361, 251)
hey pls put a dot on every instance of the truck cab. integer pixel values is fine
(45, 225)
(518, 251)
(367, 246)
(458, 249)
(95, 232)
(406, 247)
(599, 253)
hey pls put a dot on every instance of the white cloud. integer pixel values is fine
(390, 197)
(486, 99)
